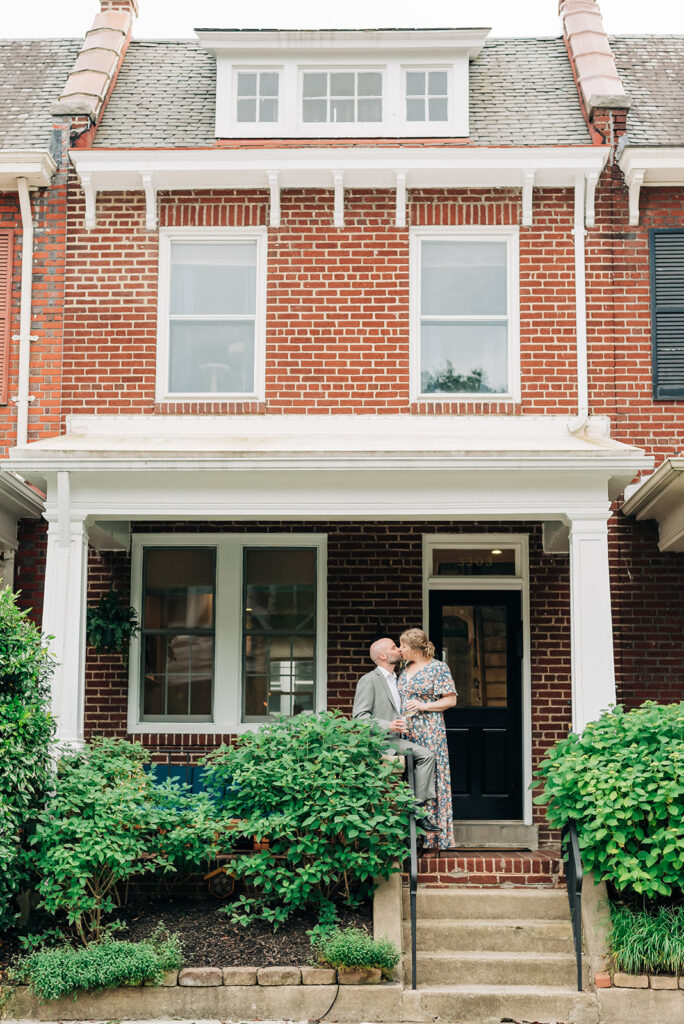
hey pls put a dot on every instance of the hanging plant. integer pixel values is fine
(110, 624)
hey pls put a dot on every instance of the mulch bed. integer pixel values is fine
(210, 940)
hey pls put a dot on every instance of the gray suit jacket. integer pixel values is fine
(374, 700)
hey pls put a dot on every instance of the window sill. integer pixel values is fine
(192, 728)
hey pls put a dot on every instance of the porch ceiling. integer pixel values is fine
(661, 497)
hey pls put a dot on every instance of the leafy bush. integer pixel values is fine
(647, 943)
(622, 781)
(53, 973)
(353, 949)
(26, 731)
(334, 813)
(107, 821)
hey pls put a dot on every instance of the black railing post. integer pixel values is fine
(413, 870)
(572, 862)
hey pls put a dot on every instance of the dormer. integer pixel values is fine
(385, 83)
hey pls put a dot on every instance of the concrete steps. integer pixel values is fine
(496, 953)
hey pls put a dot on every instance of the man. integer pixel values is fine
(377, 697)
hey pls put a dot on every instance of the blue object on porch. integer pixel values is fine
(191, 775)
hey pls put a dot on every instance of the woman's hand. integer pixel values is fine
(416, 705)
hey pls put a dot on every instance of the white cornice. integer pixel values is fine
(340, 41)
(37, 166)
(650, 166)
(18, 498)
(661, 497)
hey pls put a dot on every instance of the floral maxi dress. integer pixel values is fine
(427, 728)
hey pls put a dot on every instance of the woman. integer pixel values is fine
(427, 690)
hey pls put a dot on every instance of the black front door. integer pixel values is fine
(478, 633)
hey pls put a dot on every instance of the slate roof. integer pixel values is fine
(32, 74)
(652, 71)
(522, 94)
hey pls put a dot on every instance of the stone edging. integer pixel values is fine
(211, 977)
(659, 982)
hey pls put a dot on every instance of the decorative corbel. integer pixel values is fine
(527, 191)
(90, 195)
(274, 188)
(590, 182)
(150, 200)
(400, 178)
(634, 183)
(338, 215)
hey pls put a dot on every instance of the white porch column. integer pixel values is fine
(64, 614)
(591, 625)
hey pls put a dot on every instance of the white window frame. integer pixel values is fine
(228, 622)
(251, 126)
(507, 235)
(324, 128)
(426, 69)
(519, 582)
(210, 235)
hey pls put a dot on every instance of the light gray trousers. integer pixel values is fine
(424, 762)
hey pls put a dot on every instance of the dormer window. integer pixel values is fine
(257, 97)
(341, 97)
(427, 95)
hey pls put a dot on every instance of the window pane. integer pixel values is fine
(178, 673)
(437, 109)
(268, 83)
(179, 588)
(268, 110)
(369, 83)
(464, 278)
(315, 111)
(212, 356)
(213, 278)
(475, 646)
(464, 357)
(415, 109)
(280, 588)
(246, 111)
(315, 84)
(437, 83)
(279, 675)
(341, 111)
(342, 83)
(247, 83)
(492, 561)
(415, 83)
(370, 110)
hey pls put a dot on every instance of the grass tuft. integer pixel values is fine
(647, 943)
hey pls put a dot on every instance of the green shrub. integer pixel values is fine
(26, 731)
(647, 943)
(53, 973)
(353, 949)
(622, 781)
(334, 812)
(106, 821)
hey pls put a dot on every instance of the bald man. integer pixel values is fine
(377, 698)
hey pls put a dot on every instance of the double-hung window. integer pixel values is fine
(211, 313)
(464, 314)
(233, 630)
(667, 312)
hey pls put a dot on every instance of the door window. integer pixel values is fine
(474, 646)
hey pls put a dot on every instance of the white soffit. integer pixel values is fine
(37, 166)
(650, 166)
(17, 501)
(661, 497)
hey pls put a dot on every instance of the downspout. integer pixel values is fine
(578, 422)
(23, 397)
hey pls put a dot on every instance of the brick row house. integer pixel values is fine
(360, 330)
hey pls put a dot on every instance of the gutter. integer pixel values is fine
(23, 398)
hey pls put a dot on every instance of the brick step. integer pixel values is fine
(495, 969)
(539, 867)
(495, 934)
(470, 1003)
(455, 902)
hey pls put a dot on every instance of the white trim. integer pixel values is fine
(506, 234)
(210, 235)
(36, 166)
(521, 583)
(227, 716)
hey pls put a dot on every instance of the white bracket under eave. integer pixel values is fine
(634, 183)
(274, 188)
(590, 183)
(338, 214)
(527, 193)
(89, 195)
(400, 178)
(150, 200)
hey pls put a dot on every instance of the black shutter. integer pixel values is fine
(667, 312)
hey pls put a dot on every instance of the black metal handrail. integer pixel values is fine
(413, 866)
(572, 862)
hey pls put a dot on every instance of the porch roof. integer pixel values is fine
(661, 497)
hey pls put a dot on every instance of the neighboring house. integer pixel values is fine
(357, 336)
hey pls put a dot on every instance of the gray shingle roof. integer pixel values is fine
(32, 74)
(522, 94)
(652, 70)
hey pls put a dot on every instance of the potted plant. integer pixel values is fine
(111, 623)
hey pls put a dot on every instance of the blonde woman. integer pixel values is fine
(427, 690)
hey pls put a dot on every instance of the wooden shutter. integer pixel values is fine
(667, 312)
(6, 239)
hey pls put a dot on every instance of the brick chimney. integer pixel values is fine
(97, 65)
(598, 81)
